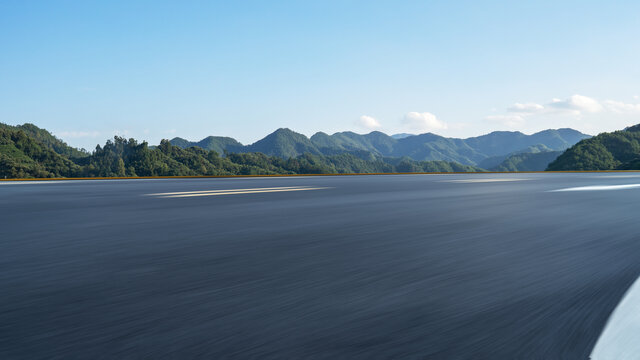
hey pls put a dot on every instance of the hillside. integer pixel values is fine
(424, 147)
(283, 143)
(23, 156)
(493, 161)
(216, 143)
(619, 150)
(527, 161)
(47, 139)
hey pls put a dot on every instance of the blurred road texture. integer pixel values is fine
(404, 266)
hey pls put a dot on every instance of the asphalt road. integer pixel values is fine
(405, 266)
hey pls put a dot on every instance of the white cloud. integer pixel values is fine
(423, 122)
(368, 122)
(577, 103)
(77, 134)
(512, 121)
(621, 108)
(528, 108)
(170, 131)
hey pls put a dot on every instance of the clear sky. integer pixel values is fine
(87, 70)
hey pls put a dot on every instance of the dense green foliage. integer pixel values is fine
(493, 161)
(47, 139)
(528, 161)
(28, 151)
(24, 156)
(216, 143)
(123, 157)
(619, 150)
(472, 151)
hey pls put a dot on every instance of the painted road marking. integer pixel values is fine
(34, 182)
(484, 180)
(620, 338)
(224, 190)
(615, 176)
(599, 188)
(234, 191)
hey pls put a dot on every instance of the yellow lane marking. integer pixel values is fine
(224, 190)
(241, 192)
(484, 180)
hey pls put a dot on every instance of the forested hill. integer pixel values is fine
(286, 143)
(23, 155)
(529, 161)
(47, 139)
(619, 150)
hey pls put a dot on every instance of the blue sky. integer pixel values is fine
(87, 70)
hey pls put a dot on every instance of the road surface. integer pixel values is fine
(404, 266)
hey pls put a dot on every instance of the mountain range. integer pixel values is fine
(29, 151)
(494, 147)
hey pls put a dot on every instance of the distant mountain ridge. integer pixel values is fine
(528, 161)
(27, 151)
(286, 143)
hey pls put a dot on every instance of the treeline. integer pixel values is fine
(25, 156)
(21, 156)
(619, 150)
(122, 157)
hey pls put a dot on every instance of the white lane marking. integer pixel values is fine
(224, 190)
(599, 188)
(620, 338)
(241, 192)
(34, 182)
(615, 176)
(484, 180)
(38, 182)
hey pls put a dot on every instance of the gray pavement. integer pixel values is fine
(403, 266)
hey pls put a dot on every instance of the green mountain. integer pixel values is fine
(493, 161)
(485, 151)
(48, 140)
(619, 150)
(401, 135)
(528, 161)
(216, 143)
(435, 147)
(22, 155)
(506, 142)
(283, 143)
(25, 155)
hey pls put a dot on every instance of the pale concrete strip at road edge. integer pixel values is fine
(620, 339)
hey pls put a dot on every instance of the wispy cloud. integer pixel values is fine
(527, 108)
(621, 107)
(577, 103)
(368, 122)
(580, 110)
(422, 122)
